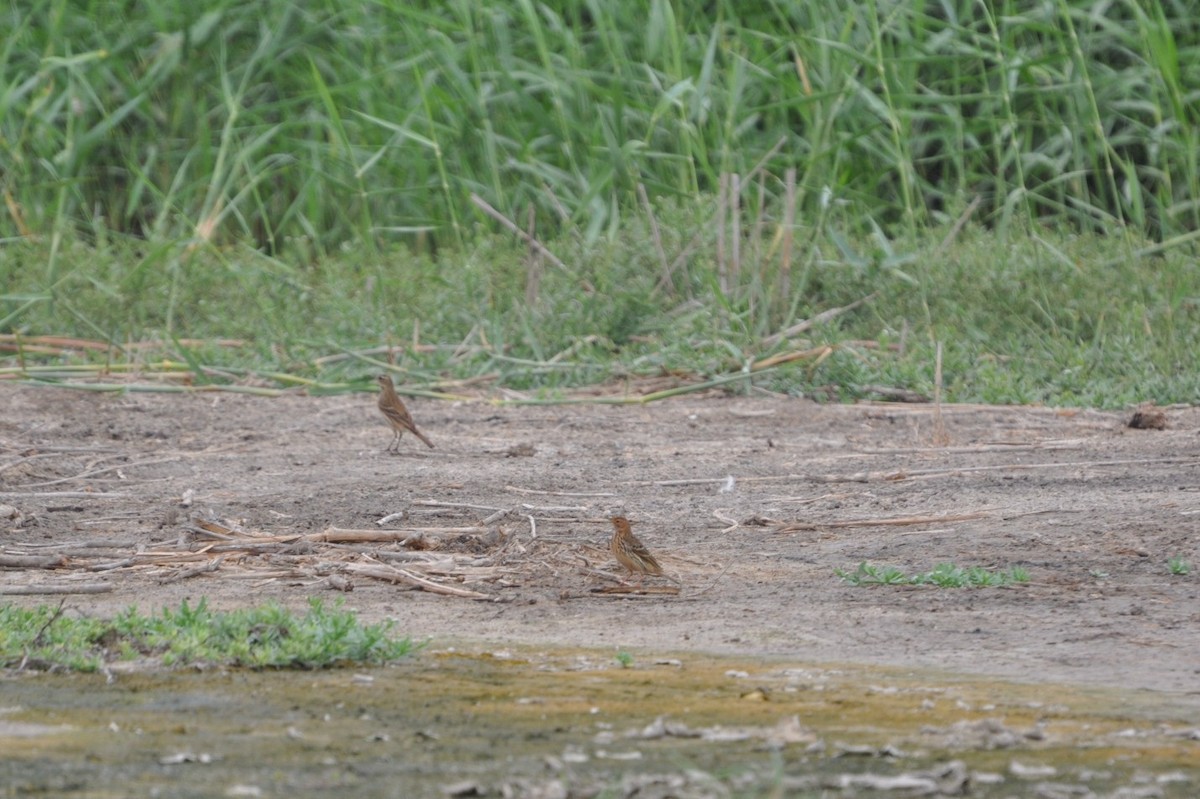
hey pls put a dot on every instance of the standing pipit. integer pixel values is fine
(397, 415)
(630, 552)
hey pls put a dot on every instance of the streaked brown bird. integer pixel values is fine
(632, 553)
(396, 414)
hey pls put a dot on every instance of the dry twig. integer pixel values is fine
(56, 588)
(795, 527)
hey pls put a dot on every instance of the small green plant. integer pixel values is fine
(944, 575)
(268, 636)
(625, 659)
(1179, 566)
(869, 574)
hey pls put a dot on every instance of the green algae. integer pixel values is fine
(577, 717)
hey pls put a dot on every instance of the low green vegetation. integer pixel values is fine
(1032, 320)
(268, 196)
(267, 636)
(944, 575)
(1179, 566)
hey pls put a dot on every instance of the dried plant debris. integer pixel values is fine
(1148, 417)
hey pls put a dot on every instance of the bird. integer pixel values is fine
(632, 553)
(396, 414)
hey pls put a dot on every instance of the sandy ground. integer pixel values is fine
(1091, 508)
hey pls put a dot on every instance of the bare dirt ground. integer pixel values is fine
(1091, 508)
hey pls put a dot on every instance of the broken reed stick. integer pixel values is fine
(819, 353)
(519, 490)
(940, 437)
(634, 591)
(626, 399)
(821, 318)
(554, 508)
(335, 535)
(559, 208)
(894, 394)
(758, 168)
(495, 517)
(795, 527)
(709, 480)
(997, 446)
(926, 474)
(60, 588)
(94, 472)
(384, 571)
(338, 535)
(25, 459)
(483, 205)
(433, 503)
(904, 474)
(61, 343)
(31, 561)
(733, 523)
(64, 494)
(959, 224)
(427, 559)
(914, 474)
(211, 566)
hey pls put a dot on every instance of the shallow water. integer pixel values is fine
(572, 723)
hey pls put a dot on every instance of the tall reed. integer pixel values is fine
(301, 127)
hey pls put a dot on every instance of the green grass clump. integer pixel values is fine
(1179, 566)
(268, 636)
(944, 575)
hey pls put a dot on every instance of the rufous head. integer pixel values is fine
(620, 523)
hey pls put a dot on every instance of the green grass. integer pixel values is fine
(267, 636)
(944, 575)
(303, 128)
(326, 185)
(1031, 320)
(1179, 566)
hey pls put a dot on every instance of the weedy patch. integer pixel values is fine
(944, 575)
(269, 636)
